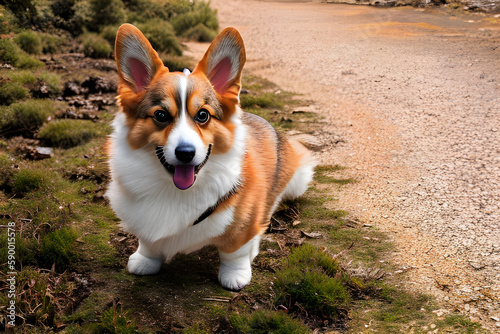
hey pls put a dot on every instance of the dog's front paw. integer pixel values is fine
(235, 278)
(138, 264)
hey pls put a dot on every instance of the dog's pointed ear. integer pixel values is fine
(136, 60)
(223, 62)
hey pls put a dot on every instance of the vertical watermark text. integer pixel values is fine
(11, 273)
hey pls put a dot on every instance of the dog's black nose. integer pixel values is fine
(185, 152)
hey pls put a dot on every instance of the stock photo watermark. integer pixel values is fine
(11, 274)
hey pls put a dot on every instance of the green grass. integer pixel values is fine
(58, 248)
(324, 174)
(263, 322)
(26, 181)
(309, 277)
(26, 117)
(66, 133)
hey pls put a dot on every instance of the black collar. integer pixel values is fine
(211, 209)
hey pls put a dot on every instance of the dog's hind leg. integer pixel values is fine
(145, 261)
(235, 269)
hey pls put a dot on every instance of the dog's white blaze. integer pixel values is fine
(183, 132)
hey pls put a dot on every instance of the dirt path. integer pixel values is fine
(411, 101)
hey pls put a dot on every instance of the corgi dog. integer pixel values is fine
(189, 168)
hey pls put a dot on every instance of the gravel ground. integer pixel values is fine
(411, 100)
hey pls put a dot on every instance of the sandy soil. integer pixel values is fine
(411, 101)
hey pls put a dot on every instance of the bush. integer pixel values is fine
(22, 77)
(144, 10)
(23, 117)
(71, 15)
(11, 92)
(27, 180)
(95, 46)
(24, 10)
(263, 322)
(6, 21)
(176, 63)
(200, 33)
(109, 33)
(11, 54)
(9, 51)
(30, 42)
(52, 44)
(66, 133)
(308, 278)
(106, 12)
(58, 247)
(25, 61)
(200, 15)
(53, 82)
(162, 36)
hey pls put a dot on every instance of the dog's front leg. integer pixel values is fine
(146, 260)
(235, 268)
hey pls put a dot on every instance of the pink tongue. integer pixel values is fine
(184, 176)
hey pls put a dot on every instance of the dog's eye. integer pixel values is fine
(161, 116)
(202, 116)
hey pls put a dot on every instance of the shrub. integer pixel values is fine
(106, 12)
(162, 36)
(9, 51)
(52, 80)
(308, 278)
(143, 10)
(26, 116)
(24, 10)
(25, 61)
(71, 15)
(29, 41)
(58, 247)
(109, 33)
(201, 14)
(11, 54)
(263, 322)
(95, 46)
(176, 63)
(200, 33)
(52, 44)
(12, 91)
(6, 21)
(27, 180)
(66, 133)
(22, 77)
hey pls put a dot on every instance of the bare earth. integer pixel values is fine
(411, 101)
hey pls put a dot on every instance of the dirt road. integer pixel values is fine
(411, 101)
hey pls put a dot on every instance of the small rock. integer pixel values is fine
(312, 235)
